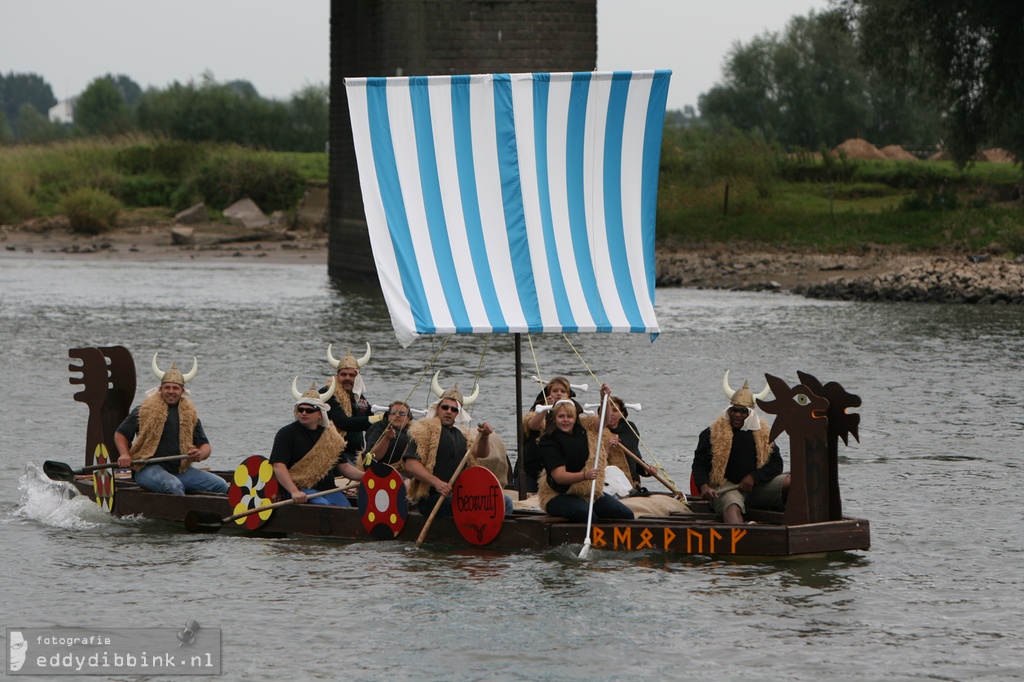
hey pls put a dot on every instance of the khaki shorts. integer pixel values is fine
(763, 495)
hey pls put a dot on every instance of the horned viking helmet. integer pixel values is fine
(174, 375)
(743, 397)
(312, 393)
(349, 361)
(453, 392)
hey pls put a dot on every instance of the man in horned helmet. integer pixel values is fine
(436, 448)
(306, 452)
(166, 424)
(350, 409)
(735, 449)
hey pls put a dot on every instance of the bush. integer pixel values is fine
(225, 177)
(91, 211)
(15, 203)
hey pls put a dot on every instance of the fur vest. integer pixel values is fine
(426, 433)
(320, 459)
(545, 493)
(721, 447)
(152, 417)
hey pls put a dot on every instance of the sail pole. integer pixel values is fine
(519, 416)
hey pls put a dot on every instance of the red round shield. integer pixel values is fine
(382, 503)
(253, 486)
(103, 479)
(478, 505)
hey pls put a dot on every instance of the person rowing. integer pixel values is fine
(307, 453)
(166, 424)
(567, 451)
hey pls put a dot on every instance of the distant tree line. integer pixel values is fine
(909, 72)
(195, 112)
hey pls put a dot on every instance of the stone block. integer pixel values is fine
(246, 213)
(182, 236)
(192, 215)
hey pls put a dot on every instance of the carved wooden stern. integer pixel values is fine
(815, 418)
(108, 380)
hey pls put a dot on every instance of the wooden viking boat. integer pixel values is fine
(511, 204)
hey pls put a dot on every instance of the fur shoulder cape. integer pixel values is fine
(721, 447)
(152, 417)
(315, 464)
(426, 433)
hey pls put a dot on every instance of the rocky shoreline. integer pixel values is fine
(871, 274)
(875, 274)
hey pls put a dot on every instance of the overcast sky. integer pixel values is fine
(282, 45)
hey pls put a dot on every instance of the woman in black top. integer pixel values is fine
(567, 451)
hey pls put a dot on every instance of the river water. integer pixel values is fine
(937, 472)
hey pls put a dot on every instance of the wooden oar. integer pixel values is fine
(440, 500)
(656, 475)
(210, 522)
(585, 552)
(59, 471)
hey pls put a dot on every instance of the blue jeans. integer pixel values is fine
(154, 477)
(338, 499)
(575, 509)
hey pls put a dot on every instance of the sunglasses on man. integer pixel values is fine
(449, 408)
(307, 409)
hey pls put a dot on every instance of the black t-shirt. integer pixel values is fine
(571, 450)
(292, 443)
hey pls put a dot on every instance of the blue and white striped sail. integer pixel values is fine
(512, 202)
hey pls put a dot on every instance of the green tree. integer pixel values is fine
(128, 88)
(309, 114)
(36, 127)
(808, 87)
(24, 88)
(5, 130)
(967, 54)
(101, 109)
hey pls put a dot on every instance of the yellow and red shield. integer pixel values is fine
(103, 479)
(382, 503)
(253, 486)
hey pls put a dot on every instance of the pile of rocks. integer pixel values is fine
(978, 279)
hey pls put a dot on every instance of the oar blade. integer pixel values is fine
(58, 471)
(197, 521)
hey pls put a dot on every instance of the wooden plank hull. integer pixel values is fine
(700, 533)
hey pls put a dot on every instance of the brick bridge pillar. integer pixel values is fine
(435, 37)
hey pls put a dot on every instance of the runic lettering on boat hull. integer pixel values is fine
(522, 531)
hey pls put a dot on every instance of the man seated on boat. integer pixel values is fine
(350, 409)
(533, 426)
(567, 449)
(307, 453)
(388, 438)
(436, 448)
(166, 424)
(735, 450)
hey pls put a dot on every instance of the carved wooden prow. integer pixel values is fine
(841, 424)
(804, 416)
(108, 380)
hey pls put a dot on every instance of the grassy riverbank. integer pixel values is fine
(722, 188)
(715, 188)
